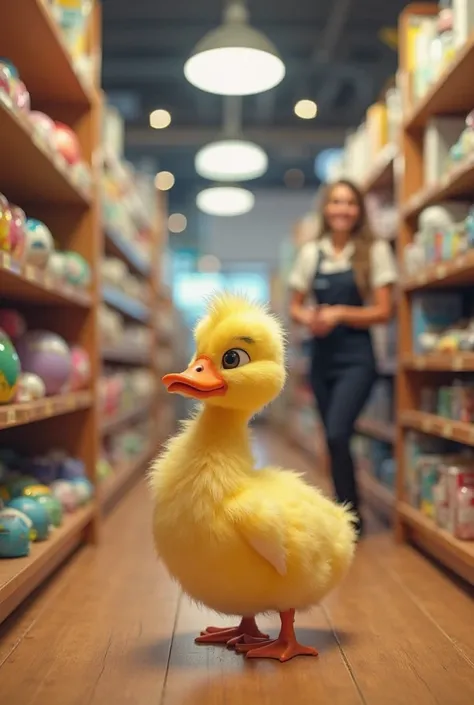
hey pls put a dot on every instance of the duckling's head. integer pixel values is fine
(240, 357)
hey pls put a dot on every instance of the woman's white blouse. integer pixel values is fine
(383, 266)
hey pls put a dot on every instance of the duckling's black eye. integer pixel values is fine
(235, 358)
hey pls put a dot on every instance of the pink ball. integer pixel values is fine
(67, 143)
(47, 355)
(81, 369)
(43, 126)
(12, 323)
(21, 97)
(5, 80)
(18, 232)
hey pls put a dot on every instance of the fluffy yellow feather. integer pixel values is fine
(240, 540)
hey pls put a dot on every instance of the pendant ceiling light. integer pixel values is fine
(227, 201)
(231, 160)
(234, 59)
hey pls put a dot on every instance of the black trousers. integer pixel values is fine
(341, 394)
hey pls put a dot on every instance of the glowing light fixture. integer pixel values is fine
(306, 109)
(159, 119)
(234, 59)
(164, 180)
(231, 160)
(177, 223)
(227, 201)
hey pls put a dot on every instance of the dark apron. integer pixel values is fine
(344, 346)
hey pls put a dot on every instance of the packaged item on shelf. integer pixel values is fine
(454, 500)
(454, 401)
(432, 313)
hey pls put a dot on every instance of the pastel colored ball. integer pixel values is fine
(39, 243)
(77, 270)
(18, 232)
(48, 356)
(14, 534)
(12, 323)
(5, 225)
(67, 143)
(81, 369)
(37, 515)
(9, 369)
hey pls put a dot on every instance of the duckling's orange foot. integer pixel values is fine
(284, 648)
(280, 649)
(247, 631)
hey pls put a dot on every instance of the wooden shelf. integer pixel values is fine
(113, 424)
(127, 306)
(457, 555)
(126, 355)
(458, 182)
(29, 412)
(20, 576)
(46, 67)
(118, 246)
(382, 173)
(451, 94)
(22, 282)
(28, 173)
(380, 498)
(440, 362)
(455, 273)
(433, 425)
(123, 477)
(376, 429)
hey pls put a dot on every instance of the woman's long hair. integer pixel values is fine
(362, 236)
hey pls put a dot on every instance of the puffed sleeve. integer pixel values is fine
(383, 264)
(304, 268)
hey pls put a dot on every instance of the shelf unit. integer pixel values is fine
(32, 178)
(125, 357)
(451, 94)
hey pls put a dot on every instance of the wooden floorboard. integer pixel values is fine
(110, 628)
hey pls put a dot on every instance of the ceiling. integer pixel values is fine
(332, 53)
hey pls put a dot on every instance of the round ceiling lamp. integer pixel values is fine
(227, 201)
(306, 109)
(231, 160)
(234, 59)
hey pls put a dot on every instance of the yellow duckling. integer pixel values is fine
(239, 540)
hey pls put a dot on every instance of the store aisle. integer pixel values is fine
(111, 629)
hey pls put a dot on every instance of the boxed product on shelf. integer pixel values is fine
(453, 497)
(431, 314)
(454, 401)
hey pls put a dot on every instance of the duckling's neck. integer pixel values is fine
(224, 429)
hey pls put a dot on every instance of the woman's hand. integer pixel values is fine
(325, 319)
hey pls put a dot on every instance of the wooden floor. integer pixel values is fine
(111, 629)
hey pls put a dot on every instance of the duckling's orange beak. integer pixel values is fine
(200, 381)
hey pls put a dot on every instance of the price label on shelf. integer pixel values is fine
(48, 281)
(48, 409)
(7, 263)
(420, 363)
(11, 417)
(70, 402)
(30, 273)
(441, 271)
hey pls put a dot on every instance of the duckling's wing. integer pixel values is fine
(261, 524)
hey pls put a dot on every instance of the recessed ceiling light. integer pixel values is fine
(306, 109)
(231, 160)
(164, 180)
(225, 200)
(159, 119)
(177, 223)
(294, 178)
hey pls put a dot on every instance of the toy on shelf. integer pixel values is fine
(66, 143)
(81, 369)
(122, 391)
(117, 274)
(47, 355)
(18, 93)
(12, 323)
(9, 369)
(37, 515)
(15, 530)
(43, 130)
(30, 388)
(39, 243)
(76, 271)
(18, 232)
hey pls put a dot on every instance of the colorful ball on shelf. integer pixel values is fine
(18, 232)
(30, 388)
(9, 369)
(66, 493)
(15, 530)
(36, 490)
(39, 243)
(36, 513)
(54, 508)
(44, 469)
(66, 143)
(5, 225)
(84, 489)
(72, 469)
(5, 82)
(77, 271)
(48, 356)
(12, 323)
(21, 97)
(56, 267)
(81, 369)
(43, 128)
